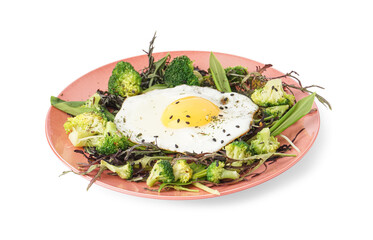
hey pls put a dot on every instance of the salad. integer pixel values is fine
(177, 127)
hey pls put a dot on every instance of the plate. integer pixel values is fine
(84, 87)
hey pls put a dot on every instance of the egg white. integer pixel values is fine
(140, 119)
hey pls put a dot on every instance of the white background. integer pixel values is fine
(46, 45)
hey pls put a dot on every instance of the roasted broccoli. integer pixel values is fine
(216, 172)
(161, 172)
(182, 171)
(125, 80)
(264, 143)
(272, 94)
(125, 171)
(85, 129)
(275, 111)
(111, 141)
(233, 71)
(180, 71)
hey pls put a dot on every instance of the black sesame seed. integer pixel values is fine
(223, 130)
(226, 107)
(237, 126)
(178, 120)
(143, 140)
(177, 102)
(171, 116)
(176, 146)
(220, 115)
(232, 94)
(222, 141)
(187, 116)
(221, 108)
(228, 134)
(155, 136)
(214, 139)
(187, 122)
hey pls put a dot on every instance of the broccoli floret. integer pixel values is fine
(272, 94)
(85, 129)
(182, 171)
(125, 171)
(93, 130)
(276, 111)
(264, 143)
(93, 102)
(237, 150)
(180, 71)
(161, 172)
(239, 70)
(125, 80)
(216, 172)
(112, 141)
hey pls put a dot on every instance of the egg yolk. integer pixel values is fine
(189, 112)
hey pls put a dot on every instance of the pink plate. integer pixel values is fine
(87, 85)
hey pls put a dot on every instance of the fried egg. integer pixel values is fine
(186, 118)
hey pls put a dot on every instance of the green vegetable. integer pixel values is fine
(300, 109)
(206, 189)
(125, 80)
(154, 87)
(71, 107)
(264, 143)
(112, 141)
(275, 111)
(216, 172)
(146, 161)
(272, 94)
(161, 172)
(218, 74)
(200, 173)
(85, 129)
(236, 70)
(156, 70)
(182, 171)
(124, 171)
(197, 167)
(93, 130)
(180, 71)
(177, 186)
(75, 108)
(237, 150)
